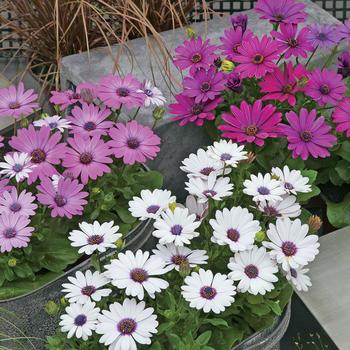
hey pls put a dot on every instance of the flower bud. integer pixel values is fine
(64, 301)
(302, 82)
(260, 236)
(217, 62)
(96, 190)
(12, 262)
(227, 66)
(51, 308)
(234, 82)
(190, 33)
(158, 113)
(172, 206)
(344, 64)
(184, 268)
(315, 223)
(250, 157)
(24, 123)
(119, 243)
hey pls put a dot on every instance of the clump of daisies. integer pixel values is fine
(83, 163)
(224, 267)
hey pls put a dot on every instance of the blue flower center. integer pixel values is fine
(208, 292)
(95, 239)
(263, 190)
(53, 125)
(139, 275)
(80, 320)
(153, 209)
(10, 233)
(89, 126)
(251, 271)
(15, 207)
(225, 156)
(289, 248)
(127, 326)
(60, 200)
(88, 290)
(123, 92)
(133, 143)
(176, 230)
(148, 92)
(17, 168)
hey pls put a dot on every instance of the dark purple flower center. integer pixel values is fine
(95, 239)
(206, 171)
(53, 125)
(306, 136)
(287, 89)
(15, 207)
(89, 126)
(38, 156)
(179, 259)
(322, 36)
(14, 105)
(133, 143)
(205, 86)
(324, 89)
(289, 248)
(10, 233)
(152, 209)
(251, 130)
(264, 191)
(88, 290)
(208, 292)
(139, 275)
(271, 211)
(225, 156)
(176, 230)
(292, 43)
(288, 186)
(17, 168)
(86, 158)
(75, 96)
(148, 92)
(197, 108)
(233, 234)
(293, 273)
(197, 57)
(123, 92)
(279, 17)
(127, 326)
(60, 200)
(251, 271)
(235, 48)
(80, 320)
(209, 193)
(258, 59)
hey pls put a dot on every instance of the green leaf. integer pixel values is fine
(125, 214)
(311, 174)
(343, 170)
(274, 306)
(217, 322)
(344, 150)
(305, 197)
(226, 339)
(259, 309)
(339, 213)
(255, 299)
(204, 338)
(155, 346)
(175, 341)
(148, 179)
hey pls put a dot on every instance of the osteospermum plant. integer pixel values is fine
(66, 179)
(224, 266)
(265, 92)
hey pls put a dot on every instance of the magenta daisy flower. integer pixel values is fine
(256, 57)
(251, 123)
(281, 11)
(188, 111)
(308, 134)
(16, 103)
(90, 120)
(14, 232)
(22, 204)
(133, 142)
(341, 116)
(232, 40)
(64, 99)
(194, 54)
(43, 147)
(292, 43)
(204, 85)
(283, 86)
(324, 36)
(65, 199)
(325, 87)
(239, 20)
(117, 91)
(87, 157)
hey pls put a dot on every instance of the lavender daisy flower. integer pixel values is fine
(22, 203)
(239, 21)
(323, 36)
(344, 64)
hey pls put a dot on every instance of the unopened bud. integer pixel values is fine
(250, 157)
(119, 243)
(190, 33)
(315, 223)
(184, 268)
(51, 308)
(63, 301)
(158, 113)
(172, 206)
(12, 262)
(227, 66)
(260, 236)
(24, 123)
(96, 190)
(217, 62)
(302, 82)
(275, 177)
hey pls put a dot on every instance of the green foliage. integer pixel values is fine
(339, 213)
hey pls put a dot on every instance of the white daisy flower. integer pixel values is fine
(292, 180)
(86, 287)
(195, 207)
(177, 227)
(255, 271)
(213, 187)
(202, 165)
(287, 207)
(209, 292)
(227, 152)
(263, 188)
(153, 95)
(290, 245)
(124, 325)
(94, 236)
(80, 320)
(151, 203)
(174, 256)
(135, 272)
(299, 279)
(54, 122)
(236, 228)
(17, 165)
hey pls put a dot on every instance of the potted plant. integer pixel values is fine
(221, 274)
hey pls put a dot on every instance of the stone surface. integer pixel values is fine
(328, 299)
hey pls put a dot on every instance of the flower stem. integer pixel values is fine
(312, 55)
(136, 113)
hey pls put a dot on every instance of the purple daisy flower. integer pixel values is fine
(341, 116)
(65, 199)
(291, 42)
(308, 135)
(87, 157)
(344, 30)
(204, 85)
(117, 91)
(194, 54)
(11, 202)
(239, 21)
(90, 120)
(188, 111)
(232, 40)
(281, 11)
(14, 232)
(234, 82)
(44, 148)
(16, 103)
(325, 87)
(344, 64)
(324, 36)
